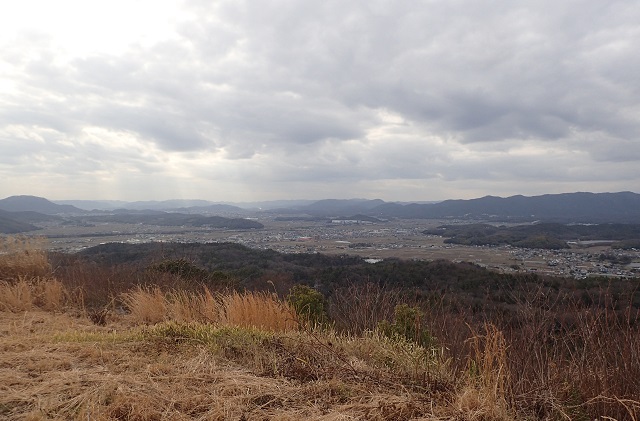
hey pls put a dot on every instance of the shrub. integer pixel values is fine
(407, 324)
(309, 304)
(360, 307)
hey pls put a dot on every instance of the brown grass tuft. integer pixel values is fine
(484, 395)
(250, 309)
(28, 293)
(23, 256)
(51, 294)
(16, 296)
(259, 309)
(146, 305)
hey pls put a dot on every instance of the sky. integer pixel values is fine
(278, 99)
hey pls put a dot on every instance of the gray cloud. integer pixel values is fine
(315, 93)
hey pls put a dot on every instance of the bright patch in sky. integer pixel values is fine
(79, 28)
(255, 100)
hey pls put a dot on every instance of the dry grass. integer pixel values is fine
(55, 366)
(28, 293)
(23, 256)
(26, 279)
(484, 395)
(565, 357)
(358, 308)
(16, 296)
(250, 309)
(146, 305)
(60, 367)
(261, 310)
(244, 356)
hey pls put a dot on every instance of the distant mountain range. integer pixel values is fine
(335, 207)
(178, 204)
(623, 207)
(176, 219)
(36, 204)
(20, 213)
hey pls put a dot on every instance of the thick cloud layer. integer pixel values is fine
(241, 100)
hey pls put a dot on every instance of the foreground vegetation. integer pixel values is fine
(173, 339)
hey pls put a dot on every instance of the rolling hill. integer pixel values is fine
(36, 204)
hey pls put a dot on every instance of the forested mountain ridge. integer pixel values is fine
(566, 207)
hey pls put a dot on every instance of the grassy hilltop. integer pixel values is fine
(174, 339)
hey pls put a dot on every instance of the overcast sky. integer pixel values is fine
(256, 100)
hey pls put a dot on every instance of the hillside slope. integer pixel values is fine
(36, 204)
(10, 225)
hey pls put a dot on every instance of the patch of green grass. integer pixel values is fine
(113, 336)
(207, 334)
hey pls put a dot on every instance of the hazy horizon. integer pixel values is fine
(193, 199)
(237, 101)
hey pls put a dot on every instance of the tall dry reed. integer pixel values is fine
(26, 293)
(250, 309)
(258, 309)
(146, 305)
(23, 256)
(486, 392)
